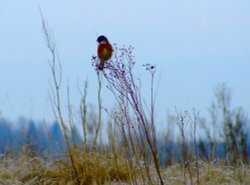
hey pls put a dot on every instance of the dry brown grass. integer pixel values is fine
(211, 174)
(94, 168)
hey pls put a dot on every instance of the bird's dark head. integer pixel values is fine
(101, 39)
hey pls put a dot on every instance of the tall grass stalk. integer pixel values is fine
(181, 126)
(83, 110)
(56, 100)
(99, 110)
(195, 122)
(71, 119)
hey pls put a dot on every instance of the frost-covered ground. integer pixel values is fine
(28, 170)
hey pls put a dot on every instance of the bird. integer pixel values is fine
(104, 51)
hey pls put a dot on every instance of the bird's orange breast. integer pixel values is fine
(104, 52)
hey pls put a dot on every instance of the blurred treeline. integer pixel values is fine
(28, 134)
(224, 135)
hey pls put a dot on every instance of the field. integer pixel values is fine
(100, 169)
(134, 153)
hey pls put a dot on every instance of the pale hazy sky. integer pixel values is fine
(195, 45)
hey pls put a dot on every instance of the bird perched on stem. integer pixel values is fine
(104, 51)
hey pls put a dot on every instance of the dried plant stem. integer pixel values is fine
(153, 107)
(83, 108)
(181, 125)
(99, 110)
(70, 118)
(195, 121)
(56, 103)
(122, 83)
(149, 140)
